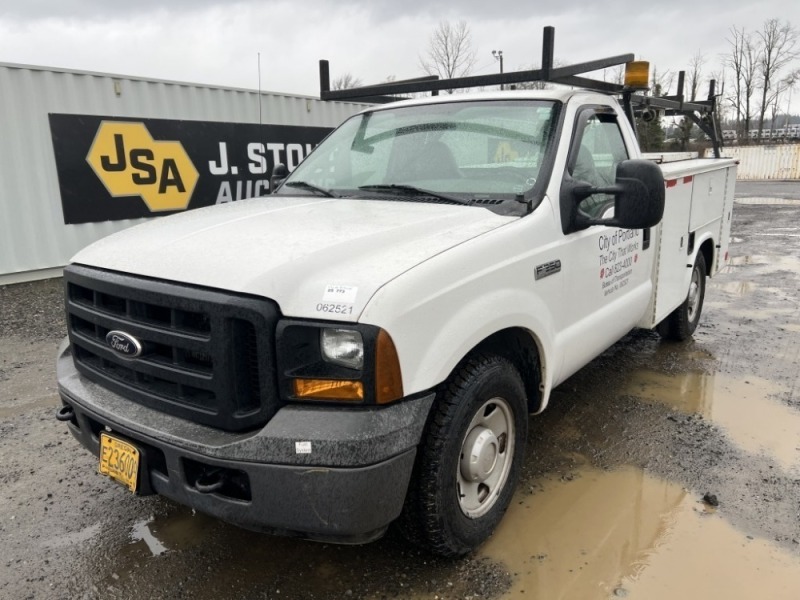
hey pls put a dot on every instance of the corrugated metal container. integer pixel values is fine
(33, 236)
(765, 162)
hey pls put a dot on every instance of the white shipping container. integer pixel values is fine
(35, 241)
(780, 161)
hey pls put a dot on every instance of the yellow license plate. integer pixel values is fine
(119, 460)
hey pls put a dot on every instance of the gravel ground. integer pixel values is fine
(34, 311)
(644, 406)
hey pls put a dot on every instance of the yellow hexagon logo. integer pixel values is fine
(130, 162)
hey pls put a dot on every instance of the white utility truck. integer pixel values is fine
(366, 344)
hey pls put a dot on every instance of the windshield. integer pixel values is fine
(466, 150)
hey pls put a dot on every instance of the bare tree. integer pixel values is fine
(734, 61)
(743, 60)
(695, 78)
(779, 41)
(534, 85)
(720, 110)
(661, 82)
(773, 120)
(615, 74)
(695, 74)
(345, 82)
(450, 52)
(783, 85)
(791, 80)
(530, 85)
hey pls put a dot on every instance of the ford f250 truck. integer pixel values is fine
(366, 344)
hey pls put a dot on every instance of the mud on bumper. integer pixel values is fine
(348, 490)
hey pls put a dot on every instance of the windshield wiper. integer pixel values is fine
(413, 190)
(304, 185)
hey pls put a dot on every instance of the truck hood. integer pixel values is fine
(307, 254)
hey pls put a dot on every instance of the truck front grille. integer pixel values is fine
(206, 355)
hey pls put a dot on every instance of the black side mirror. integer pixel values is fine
(640, 202)
(638, 198)
(279, 173)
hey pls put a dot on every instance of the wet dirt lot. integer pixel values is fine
(610, 503)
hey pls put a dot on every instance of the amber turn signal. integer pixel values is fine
(388, 379)
(637, 74)
(329, 389)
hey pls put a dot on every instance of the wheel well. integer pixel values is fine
(518, 346)
(707, 249)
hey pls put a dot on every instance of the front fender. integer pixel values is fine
(472, 323)
(439, 311)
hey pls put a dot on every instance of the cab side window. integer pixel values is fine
(596, 152)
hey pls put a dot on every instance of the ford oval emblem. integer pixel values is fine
(124, 344)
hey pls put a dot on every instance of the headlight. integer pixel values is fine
(343, 347)
(351, 363)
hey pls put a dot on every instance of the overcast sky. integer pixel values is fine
(216, 42)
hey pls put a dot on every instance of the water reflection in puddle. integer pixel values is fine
(702, 556)
(577, 539)
(624, 533)
(140, 532)
(763, 314)
(767, 200)
(738, 288)
(772, 263)
(747, 409)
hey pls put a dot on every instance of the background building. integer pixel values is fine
(83, 155)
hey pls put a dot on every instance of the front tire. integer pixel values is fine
(469, 459)
(682, 322)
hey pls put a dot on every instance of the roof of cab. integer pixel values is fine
(556, 94)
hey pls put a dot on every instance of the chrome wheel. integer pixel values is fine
(487, 452)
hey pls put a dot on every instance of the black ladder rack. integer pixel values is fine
(703, 112)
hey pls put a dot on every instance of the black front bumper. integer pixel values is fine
(347, 489)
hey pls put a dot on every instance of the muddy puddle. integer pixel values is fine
(623, 533)
(737, 288)
(760, 201)
(756, 275)
(227, 562)
(749, 410)
(756, 263)
(596, 534)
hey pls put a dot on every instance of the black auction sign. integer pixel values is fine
(112, 168)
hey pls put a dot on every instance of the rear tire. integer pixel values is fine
(469, 459)
(682, 322)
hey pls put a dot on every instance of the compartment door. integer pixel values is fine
(671, 270)
(708, 196)
(725, 226)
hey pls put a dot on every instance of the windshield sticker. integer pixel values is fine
(345, 294)
(619, 253)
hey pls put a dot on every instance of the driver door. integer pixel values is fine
(607, 270)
